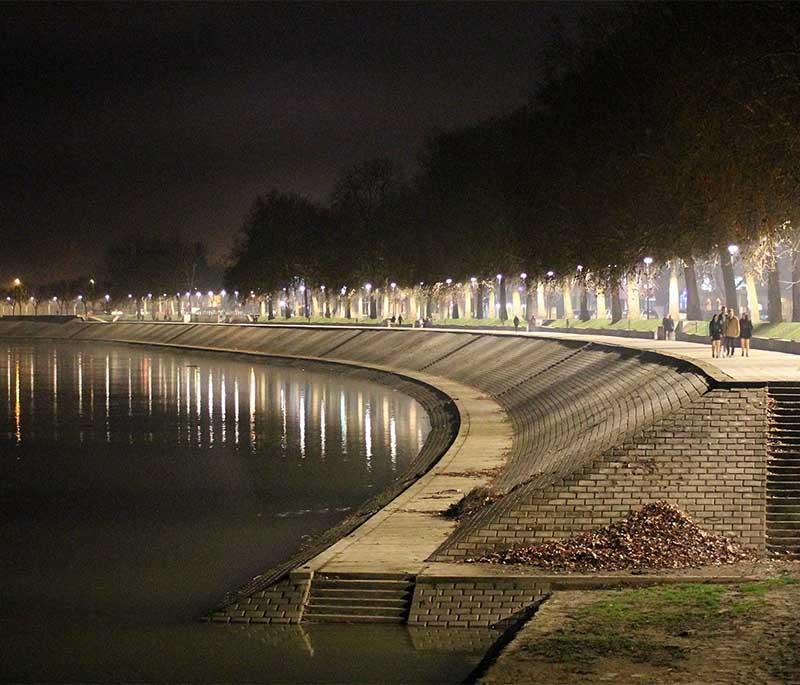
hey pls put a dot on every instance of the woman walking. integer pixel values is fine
(745, 333)
(715, 331)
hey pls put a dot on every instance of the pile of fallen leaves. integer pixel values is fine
(656, 536)
(471, 503)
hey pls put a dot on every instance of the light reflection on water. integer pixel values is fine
(138, 486)
(134, 384)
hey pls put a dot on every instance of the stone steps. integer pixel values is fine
(783, 471)
(359, 598)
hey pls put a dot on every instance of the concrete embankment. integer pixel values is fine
(569, 433)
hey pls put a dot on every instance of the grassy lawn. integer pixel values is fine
(655, 632)
(478, 322)
(787, 330)
(623, 325)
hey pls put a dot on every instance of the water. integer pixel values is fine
(137, 486)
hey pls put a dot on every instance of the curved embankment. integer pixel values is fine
(590, 432)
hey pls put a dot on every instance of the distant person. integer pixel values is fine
(400, 320)
(393, 320)
(731, 332)
(516, 322)
(745, 333)
(669, 327)
(715, 331)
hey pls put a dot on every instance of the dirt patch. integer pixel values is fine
(677, 634)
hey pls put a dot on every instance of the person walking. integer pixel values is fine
(715, 331)
(516, 322)
(731, 332)
(745, 333)
(669, 327)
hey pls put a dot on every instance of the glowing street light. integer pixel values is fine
(733, 250)
(448, 281)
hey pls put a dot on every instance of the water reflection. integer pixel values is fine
(143, 388)
(176, 476)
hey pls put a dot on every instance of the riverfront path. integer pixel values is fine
(404, 534)
(760, 366)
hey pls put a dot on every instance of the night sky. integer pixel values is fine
(158, 118)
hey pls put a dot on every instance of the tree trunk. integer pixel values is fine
(774, 306)
(270, 309)
(455, 308)
(616, 305)
(479, 302)
(694, 311)
(795, 285)
(373, 306)
(428, 306)
(503, 304)
(347, 312)
(585, 316)
(569, 312)
(728, 280)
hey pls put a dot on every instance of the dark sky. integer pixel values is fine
(120, 119)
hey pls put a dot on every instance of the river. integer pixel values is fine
(137, 486)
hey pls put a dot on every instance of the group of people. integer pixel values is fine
(725, 327)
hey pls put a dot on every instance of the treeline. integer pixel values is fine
(666, 130)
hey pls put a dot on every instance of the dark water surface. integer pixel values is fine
(137, 486)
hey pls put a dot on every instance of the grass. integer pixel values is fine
(786, 331)
(623, 325)
(644, 624)
(478, 322)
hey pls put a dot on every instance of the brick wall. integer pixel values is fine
(708, 458)
(472, 603)
(280, 603)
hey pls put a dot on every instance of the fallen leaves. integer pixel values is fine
(657, 536)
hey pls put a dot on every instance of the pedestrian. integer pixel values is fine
(731, 332)
(715, 331)
(516, 322)
(669, 327)
(393, 320)
(745, 333)
(400, 320)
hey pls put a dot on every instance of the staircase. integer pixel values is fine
(783, 472)
(359, 598)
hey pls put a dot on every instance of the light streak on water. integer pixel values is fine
(80, 384)
(17, 405)
(393, 442)
(343, 421)
(108, 399)
(222, 406)
(252, 408)
(322, 425)
(236, 411)
(210, 408)
(302, 418)
(368, 435)
(283, 418)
